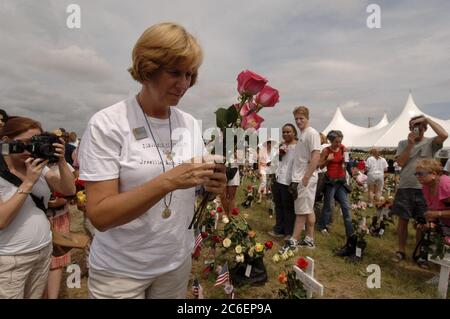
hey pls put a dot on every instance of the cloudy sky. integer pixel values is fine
(317, 53)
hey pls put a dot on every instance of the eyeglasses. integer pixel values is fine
(421, 174)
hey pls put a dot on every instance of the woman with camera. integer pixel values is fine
(136, 158)
(25, 236)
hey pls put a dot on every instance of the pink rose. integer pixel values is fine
(250, 83)
(267, 97)
(247, 107)
(252, 121)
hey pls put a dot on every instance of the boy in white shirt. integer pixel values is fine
(306, 160)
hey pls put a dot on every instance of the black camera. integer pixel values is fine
(39, 146)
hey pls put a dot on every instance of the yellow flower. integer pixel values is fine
(81, 197)
(276, 258)
(290, 253)
(284, 256)
(226, 242)
(240, 258)
(259, 247)
(238, 249)
(225, 220)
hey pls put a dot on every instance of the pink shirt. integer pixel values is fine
(436, 202)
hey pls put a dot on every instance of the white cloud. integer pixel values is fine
(317, 53)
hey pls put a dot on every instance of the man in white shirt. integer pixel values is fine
(304, 173)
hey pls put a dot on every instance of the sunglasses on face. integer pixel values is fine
(421, 174)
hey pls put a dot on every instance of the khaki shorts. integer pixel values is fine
(25, 276)
(304, 204)
(171, 285)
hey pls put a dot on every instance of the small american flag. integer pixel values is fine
(223, 277)
(198, 240)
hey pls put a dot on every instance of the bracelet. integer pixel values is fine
(21, 191)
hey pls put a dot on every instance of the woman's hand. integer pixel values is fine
(189, 175)
(60, 150)
(34, 167)
(218, 181)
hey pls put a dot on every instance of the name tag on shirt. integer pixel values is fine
(140, 133)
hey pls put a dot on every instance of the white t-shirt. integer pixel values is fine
(376, 166)
(284, 169)
(308, 142)
(30, 230)
(118, 144)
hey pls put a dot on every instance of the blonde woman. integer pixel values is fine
(135, 157)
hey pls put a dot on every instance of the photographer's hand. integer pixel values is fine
(60, 150)
(34, 168)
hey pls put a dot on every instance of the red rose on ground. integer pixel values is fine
(204, 234)
(268, 244)
(219, 209)
(302, 263)
(235, 211)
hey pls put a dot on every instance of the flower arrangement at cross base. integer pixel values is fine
(293, 288)
(232, 240)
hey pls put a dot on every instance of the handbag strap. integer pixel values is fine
(13, 179)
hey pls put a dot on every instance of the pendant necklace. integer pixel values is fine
(169, 155)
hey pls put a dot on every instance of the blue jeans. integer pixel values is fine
(340, 195)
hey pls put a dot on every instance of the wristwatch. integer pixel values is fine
(21, 191)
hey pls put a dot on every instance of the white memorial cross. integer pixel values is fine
(307, 278)
(443, 275)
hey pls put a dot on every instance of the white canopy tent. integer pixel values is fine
(383, 135)
(352, 133)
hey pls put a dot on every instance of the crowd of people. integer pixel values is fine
(142, 186)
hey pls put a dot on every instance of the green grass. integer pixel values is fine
(341, 278)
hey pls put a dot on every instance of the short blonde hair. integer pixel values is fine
(303, 110)
(165, 45)
(430, 165)
(374, 152)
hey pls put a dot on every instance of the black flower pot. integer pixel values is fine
(258, 274)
